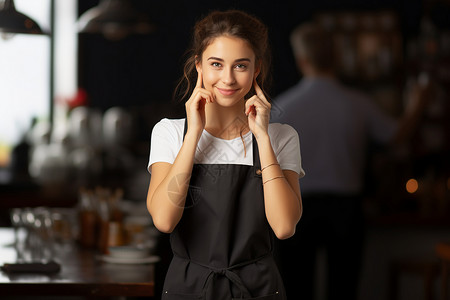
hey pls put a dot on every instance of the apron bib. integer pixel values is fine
(223, 243)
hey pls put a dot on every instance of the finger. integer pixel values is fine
(200, 93)
(207, 95)
(249, 104)
(258, 102)
(258, 90)
(250, 110)
(252, 104)
(203, 94)
(261, 95)
(199, 80)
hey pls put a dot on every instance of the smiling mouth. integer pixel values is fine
(227, 92)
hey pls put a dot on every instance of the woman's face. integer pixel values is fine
(228, 69)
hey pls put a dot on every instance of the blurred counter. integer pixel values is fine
(81, 274)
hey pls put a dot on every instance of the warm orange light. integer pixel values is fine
(412, 186)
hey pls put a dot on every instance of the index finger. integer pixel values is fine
(258, 90)
(199, 80)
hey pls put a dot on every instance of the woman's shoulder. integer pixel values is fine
(280, 129)
(286, 145)
(172, 129)
(166, 124)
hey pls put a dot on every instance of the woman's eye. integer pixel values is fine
(241, 66)
(216, 64)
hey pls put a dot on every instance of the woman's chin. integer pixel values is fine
(227, 101)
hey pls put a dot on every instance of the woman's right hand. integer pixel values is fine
(195, 107)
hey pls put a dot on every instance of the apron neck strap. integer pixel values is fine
(256, 161)
(185, 127)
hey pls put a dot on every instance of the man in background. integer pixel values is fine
(335, 124)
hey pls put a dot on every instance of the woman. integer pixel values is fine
(223, 180)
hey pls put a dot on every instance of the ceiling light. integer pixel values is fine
(12, 21)
(115, 19)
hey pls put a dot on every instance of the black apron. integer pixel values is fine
(223, 243)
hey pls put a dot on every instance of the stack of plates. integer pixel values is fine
(129, 255)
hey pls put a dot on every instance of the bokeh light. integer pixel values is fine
(412, 186)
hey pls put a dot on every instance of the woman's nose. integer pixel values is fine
(228, 77)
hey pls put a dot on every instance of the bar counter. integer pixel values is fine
(81, 274)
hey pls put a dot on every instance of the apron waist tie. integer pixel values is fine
(228, 273)
(233, 277)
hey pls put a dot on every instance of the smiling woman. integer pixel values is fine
(236, 175)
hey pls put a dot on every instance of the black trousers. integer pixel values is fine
(336, 223)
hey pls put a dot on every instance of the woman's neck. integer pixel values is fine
(226, 122)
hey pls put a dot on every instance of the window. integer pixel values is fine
(24, 78)
(25, 71)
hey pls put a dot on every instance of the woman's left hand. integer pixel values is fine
(257, 109)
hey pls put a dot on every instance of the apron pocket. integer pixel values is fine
(179, 296)
(275, 296)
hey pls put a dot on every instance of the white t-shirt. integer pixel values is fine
(167, 138)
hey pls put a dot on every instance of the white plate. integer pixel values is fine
(130, 252)
(122, 260)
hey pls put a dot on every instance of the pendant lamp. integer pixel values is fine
(12, 21)
(115, 19)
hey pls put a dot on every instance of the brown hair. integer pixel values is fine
(232, 23)
(312, 42)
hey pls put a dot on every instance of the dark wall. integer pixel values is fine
(140, 72)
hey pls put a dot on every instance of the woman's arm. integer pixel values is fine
(282, 197)
(168, 187)
(170, 182)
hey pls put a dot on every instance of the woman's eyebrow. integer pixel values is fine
(221, 59)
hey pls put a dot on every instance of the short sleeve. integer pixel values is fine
(286, 144)
(166, 140)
